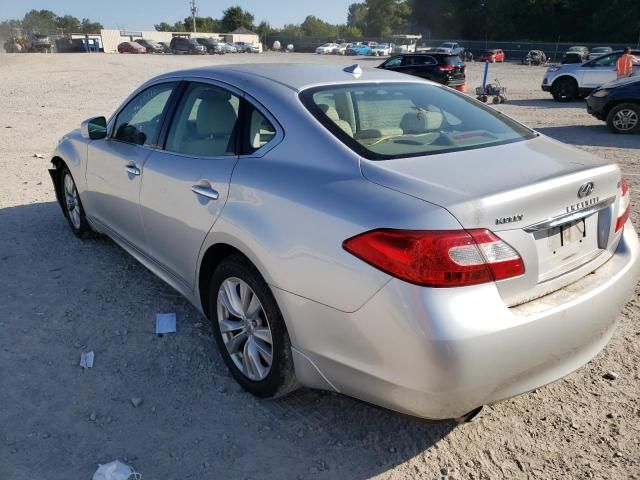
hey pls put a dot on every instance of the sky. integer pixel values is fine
(143, 14)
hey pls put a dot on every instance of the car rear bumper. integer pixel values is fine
(439, 353)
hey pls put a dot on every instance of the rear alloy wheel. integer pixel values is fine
(564, 90)
(624, 118)
(250, 330)
(73, 206)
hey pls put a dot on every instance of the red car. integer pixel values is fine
(131, 47)
(492, 56)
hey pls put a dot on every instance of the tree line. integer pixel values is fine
(501, 20)
(47, 22)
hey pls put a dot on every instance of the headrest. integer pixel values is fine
(421, 122)
(215, 115)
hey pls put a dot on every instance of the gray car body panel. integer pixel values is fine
(435, 353)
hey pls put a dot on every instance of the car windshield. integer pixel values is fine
(600, 50)
(396, 120)
(447, 45)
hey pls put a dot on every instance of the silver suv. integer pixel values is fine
(570, 81)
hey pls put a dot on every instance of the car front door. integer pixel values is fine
(600, 71)
(186, 184)
(115, 163)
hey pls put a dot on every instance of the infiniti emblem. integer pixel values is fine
(585, 190)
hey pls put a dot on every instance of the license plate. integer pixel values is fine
(566, 239)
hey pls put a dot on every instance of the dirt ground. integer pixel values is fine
(60, 296)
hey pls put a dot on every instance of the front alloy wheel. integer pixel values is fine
(624, 118)
(72, 205)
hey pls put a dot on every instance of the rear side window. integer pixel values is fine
(396, 120)
(205, 123)
(259, 130)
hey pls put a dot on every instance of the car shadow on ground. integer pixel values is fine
(591, 135)
(547, 103)
(61, 296)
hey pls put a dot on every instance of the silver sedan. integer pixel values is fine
(362, 232)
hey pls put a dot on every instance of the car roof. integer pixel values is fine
(296, 76)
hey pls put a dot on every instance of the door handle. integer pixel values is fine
(205, 192)
(133, 170)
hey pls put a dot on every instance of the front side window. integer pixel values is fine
(205, 123)
(608, 61)
(139, 121)
(395, 120)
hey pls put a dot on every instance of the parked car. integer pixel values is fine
(449, 47)
(570, 81)
(165, 47)
(358, 49)
(443, 68)
(229, 48)
(477, 259)
(572, 57)
(583, 52)
(617, 103)
(342, 48)
(150, 45)
(211, 45)
(243, 47)
(598, 52)
(493, 56)
(534, 57)
(187, 45)
(380, 50)
(326, 48)
(131, 47)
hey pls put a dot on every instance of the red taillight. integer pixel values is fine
(437, 258)
(446, 68)
(625, 205)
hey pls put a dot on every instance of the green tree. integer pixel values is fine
(90, 27)
(163, 27)
(39, 21)
(314, 27)
(68, 24)
(236, 17)
(357, 16)
(386, 16)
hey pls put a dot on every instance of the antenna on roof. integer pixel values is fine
(354, 69)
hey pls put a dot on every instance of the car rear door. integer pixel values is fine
(115, 163)
(186, 184)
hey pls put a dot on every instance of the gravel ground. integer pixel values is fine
(60, 296)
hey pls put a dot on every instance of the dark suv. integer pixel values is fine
(443, 68)
(186, 45)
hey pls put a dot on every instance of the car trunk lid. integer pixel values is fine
(526, 192)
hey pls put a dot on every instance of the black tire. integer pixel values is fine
(281, 378)
(564, 90)
(79, 224)
(628, 111)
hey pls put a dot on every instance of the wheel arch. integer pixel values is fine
(565, 76)
(55, 170)
(618, 101)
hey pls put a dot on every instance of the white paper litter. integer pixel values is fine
(86, 359)
(165, 323)
(116, 470)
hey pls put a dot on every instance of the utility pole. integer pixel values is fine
(194, 11)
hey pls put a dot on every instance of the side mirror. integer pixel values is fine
(94, 128)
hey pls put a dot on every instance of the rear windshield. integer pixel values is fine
(396, 120)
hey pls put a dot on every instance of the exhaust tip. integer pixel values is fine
(469, 416)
